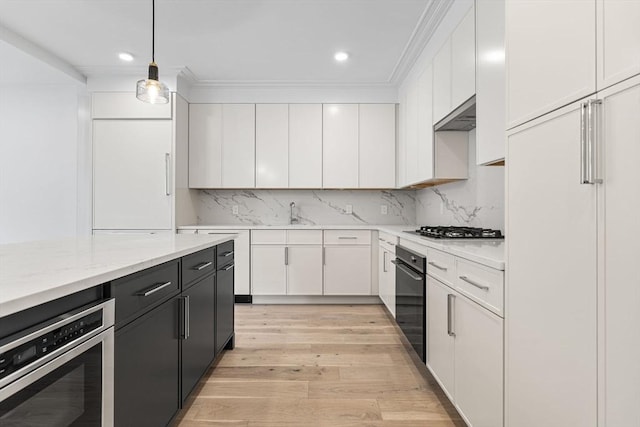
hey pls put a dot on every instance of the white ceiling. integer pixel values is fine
(227, 41)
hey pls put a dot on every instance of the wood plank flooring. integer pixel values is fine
(325, 365)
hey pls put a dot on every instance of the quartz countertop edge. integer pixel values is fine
(488, 252)
(33, 273)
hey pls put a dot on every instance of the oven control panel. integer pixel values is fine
(42, 345)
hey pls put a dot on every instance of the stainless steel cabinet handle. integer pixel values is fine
(406, 271)
(153, 290)
(583, 144)
(592, 140)
(450, 307)
(384, 261)
(439, 267)
(227, 254)
(476, 284)
(202, 266)
(187, 315)
(286, 255)
(381, 239)
(167, 173)
(347, 237)
(324, 262)
(229, 267)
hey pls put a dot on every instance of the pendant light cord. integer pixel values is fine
(153, 31)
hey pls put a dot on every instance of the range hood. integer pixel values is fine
(462, 118)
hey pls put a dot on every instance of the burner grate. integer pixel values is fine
(448, 232)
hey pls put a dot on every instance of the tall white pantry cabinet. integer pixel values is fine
(573, 296)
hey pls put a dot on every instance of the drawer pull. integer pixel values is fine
(450, 316)
(381, 239)
(471, 282)
(439, 267)
(153, 290)
(202, 266)
(227, 268)
(226, 254)
(347, 238)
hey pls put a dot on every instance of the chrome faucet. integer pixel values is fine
(292, 220)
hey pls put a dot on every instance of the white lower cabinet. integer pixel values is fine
(439, 343)
(347, 267)
(268, 270)
(387, 280)
(304, 270)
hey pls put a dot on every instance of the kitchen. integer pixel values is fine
(286, 173)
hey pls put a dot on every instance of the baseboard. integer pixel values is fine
(314, 299)
(243, 299)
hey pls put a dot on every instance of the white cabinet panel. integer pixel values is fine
(347, 270)
(268, 237)
(551, 298)
(132, 174)
(618, 40)
(241, 258)
(411, 133)
(272, 145)
(205, 145)
(304, 237)
(377, 166)
(125, 105)
(549, 65)
(340, 146)
(387, 280)
(402, 141)
(305, 146)
(238, 145)
(304, 270)
(442, 82)
(268, 270)
(424, 155)
(478, 364)
(490, 82)
(440, 345)
(463, 60)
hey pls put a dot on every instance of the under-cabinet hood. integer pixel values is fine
(462, 118)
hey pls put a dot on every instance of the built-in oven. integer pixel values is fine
(410, 297)
(60, 372)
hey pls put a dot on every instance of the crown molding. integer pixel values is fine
(429, 21)
(288, 84)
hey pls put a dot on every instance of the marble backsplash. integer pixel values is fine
(475, 202)
(326, 207)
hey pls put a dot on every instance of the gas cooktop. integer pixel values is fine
(440, 232)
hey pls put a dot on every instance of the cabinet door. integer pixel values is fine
(305, 146)
(144, 348)
(440, 345)
(490, 81)
(340, 146)
(411, 133)
(551, 298)
(268, 270)
(402, 140)
(224, 306)
(618, 38)
(304, 271)
(347, 270)
(621, 106)
(272, 145)
(238, 145)
(198, 345)
(463, 60)
(205, 146)
(478, 364)
(377, 146)
(424, 155)
(442, 82)
(132, 174)
(387, 279)
(549, 65)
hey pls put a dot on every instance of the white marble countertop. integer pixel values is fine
(33, 273)
(489, 252)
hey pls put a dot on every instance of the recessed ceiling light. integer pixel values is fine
(124, 56)
(341, 56)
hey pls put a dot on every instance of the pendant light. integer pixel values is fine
(152, 90)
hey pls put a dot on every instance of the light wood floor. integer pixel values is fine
(306, 365)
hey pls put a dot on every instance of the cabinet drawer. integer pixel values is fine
(268, 237)
(226, 254)
(388, 241)
(441, 266)
(482, 284)
(197, 265)
(140, 291)
(304, 237)
(347, 237)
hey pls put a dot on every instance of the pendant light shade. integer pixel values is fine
(151, 89)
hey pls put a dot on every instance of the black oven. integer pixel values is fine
(410, 297)
(60, 373)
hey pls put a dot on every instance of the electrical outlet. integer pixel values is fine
(235, 209)
(383, 209)
(349, 209)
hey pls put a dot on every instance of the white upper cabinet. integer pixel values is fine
(272, 145)
(205, 145)
(550, 65)
(424, 154)
(463, 60)
(411, 133)
(238, 145)
(340, 146)
(442, 82)
(377, 146)
(125, 105)
(490, 82)
(305, 146)
(618, 41)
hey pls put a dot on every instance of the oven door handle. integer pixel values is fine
(406, 270)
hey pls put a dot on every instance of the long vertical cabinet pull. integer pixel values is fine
(384, 261)
(593, 139)
(185, 317)
(286, 255)
(167, 173)
(324, 262)
(450, 307)
(583, 144)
